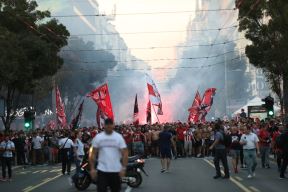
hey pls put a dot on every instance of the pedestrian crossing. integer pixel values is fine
(41, 171)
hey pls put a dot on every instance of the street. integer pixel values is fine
(186, 175)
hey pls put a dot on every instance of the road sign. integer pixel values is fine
(259, 112)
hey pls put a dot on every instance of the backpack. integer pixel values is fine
(227, 140)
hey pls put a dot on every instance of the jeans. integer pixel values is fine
(111, 180)
(66, 161)
(78, 162)
(265, 151)
(250, 159)
(138, 148)
(7, 162)
(188, 148)
(221, 154)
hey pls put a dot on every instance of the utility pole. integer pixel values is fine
(226, 84)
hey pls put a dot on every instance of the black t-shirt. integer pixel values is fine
(235, 141)
(165, 140)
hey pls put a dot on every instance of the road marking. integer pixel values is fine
(240, 185)
(36, 172)
(128, 189)
(47, 180)
(238, 178)
(27, 188)
(44, 171)
(254, 189)
(55, 170)
(31, 188)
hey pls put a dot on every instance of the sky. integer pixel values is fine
(149, 23)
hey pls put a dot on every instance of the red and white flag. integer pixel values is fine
(136, 112)
(194, 109)
(154, 95)
(60, 110)
(206, 103)
(102, 98)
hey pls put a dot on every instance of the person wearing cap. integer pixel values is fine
(111, 151)
(7, 148)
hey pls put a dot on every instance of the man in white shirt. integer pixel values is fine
(250, 144)
(79, 151)
(66, 149)
(7, 148)
(111, 150)
(37, 148)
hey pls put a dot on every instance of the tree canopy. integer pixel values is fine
(29, 44)
(265, 24)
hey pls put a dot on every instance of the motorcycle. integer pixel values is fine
(133, 177)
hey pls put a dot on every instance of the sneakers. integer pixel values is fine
(249, 176)
(282, 177)
(3, 179)
(163, 170)
(254, 174)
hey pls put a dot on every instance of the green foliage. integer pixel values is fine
(265, 24)
(29, 46)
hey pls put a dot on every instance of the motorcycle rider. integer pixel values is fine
(111, 151)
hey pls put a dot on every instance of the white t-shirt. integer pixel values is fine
(37, 141)
(68, 144)
(251, 140)
(80, 147)
(7, 146)
(109, 151)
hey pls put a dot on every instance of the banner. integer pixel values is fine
(206, 103)
(60, 110)
(102, 98)
(76, 121)
(136, 112)
(154, 95)
(195, 109)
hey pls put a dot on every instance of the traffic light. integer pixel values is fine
(29, 116)
(269, 105)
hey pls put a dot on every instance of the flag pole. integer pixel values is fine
(155, 114)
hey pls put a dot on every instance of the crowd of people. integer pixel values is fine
(242, 139)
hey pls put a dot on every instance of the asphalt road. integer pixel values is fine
(186, 175)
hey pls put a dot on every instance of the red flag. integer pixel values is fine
(154, 95)
(76, 121)
(60, 110)
(207, 103)
(102, 98)
(195, 108)
(148, 113)
(136, 112)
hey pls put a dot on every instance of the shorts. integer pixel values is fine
(165, 153)
(155, 143)
(234, 153)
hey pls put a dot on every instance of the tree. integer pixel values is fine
(29, 46)
(265, 23)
